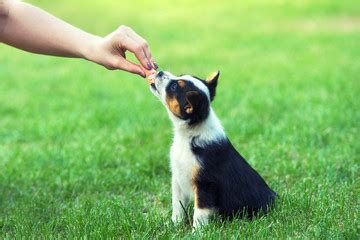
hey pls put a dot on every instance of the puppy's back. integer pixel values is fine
(232, 184)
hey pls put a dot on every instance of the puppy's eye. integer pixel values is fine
(173, 87)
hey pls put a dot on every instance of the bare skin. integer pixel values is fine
(31, 29)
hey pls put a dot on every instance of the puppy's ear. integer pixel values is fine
(197, 106)
(212, 81)
(192, 101)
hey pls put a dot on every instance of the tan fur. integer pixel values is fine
(194, 174)
(212, 76)
(181, 83)
(189, 109)
(174, 105)
(201, 215)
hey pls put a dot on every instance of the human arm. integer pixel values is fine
(29, 28)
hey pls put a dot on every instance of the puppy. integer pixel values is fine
(204, 164)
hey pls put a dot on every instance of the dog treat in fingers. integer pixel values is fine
(150, 76)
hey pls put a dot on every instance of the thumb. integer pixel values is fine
(130, 67)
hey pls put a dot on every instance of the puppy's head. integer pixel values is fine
(186, 98)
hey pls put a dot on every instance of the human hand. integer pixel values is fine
(110, 51)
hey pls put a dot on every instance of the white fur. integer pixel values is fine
(196, 82)
(201, 217)
(182, 160)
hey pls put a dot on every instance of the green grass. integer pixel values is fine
(84, 151)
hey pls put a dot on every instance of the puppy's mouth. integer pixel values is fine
(151, 78)
(153, 87)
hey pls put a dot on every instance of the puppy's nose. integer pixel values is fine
(160, 74)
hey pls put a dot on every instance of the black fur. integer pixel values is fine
(210, 85)
(200, 102)
(227, 182)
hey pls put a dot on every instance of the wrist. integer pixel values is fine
(89, 49)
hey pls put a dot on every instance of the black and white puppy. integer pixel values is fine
(204, 164)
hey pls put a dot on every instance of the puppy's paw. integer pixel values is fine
(197, 226)
(199, 223)
(201, 218)
(176, 218)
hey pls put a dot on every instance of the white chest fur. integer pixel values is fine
(182, 162)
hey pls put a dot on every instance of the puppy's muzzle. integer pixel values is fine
(160, 74)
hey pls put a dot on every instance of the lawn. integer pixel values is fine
(84, 151)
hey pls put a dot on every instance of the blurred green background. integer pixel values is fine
(84, 150)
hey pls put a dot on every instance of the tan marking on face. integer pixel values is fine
(188, 109)
(181, 83)
(194, 173)
(173, 105)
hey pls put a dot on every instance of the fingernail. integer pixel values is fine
(142, 73)
(156, 66)
(149, 66)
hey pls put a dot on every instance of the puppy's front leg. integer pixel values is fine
(204, 202)
(179, 201)
(201, 217)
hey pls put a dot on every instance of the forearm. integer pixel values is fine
(32, 29)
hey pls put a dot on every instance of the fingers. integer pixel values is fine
(149, 72)
(123, 39)
(144, 46)
(149, 56)
(131, 41)
(134, 47)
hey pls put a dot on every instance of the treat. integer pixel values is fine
(150, 76)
